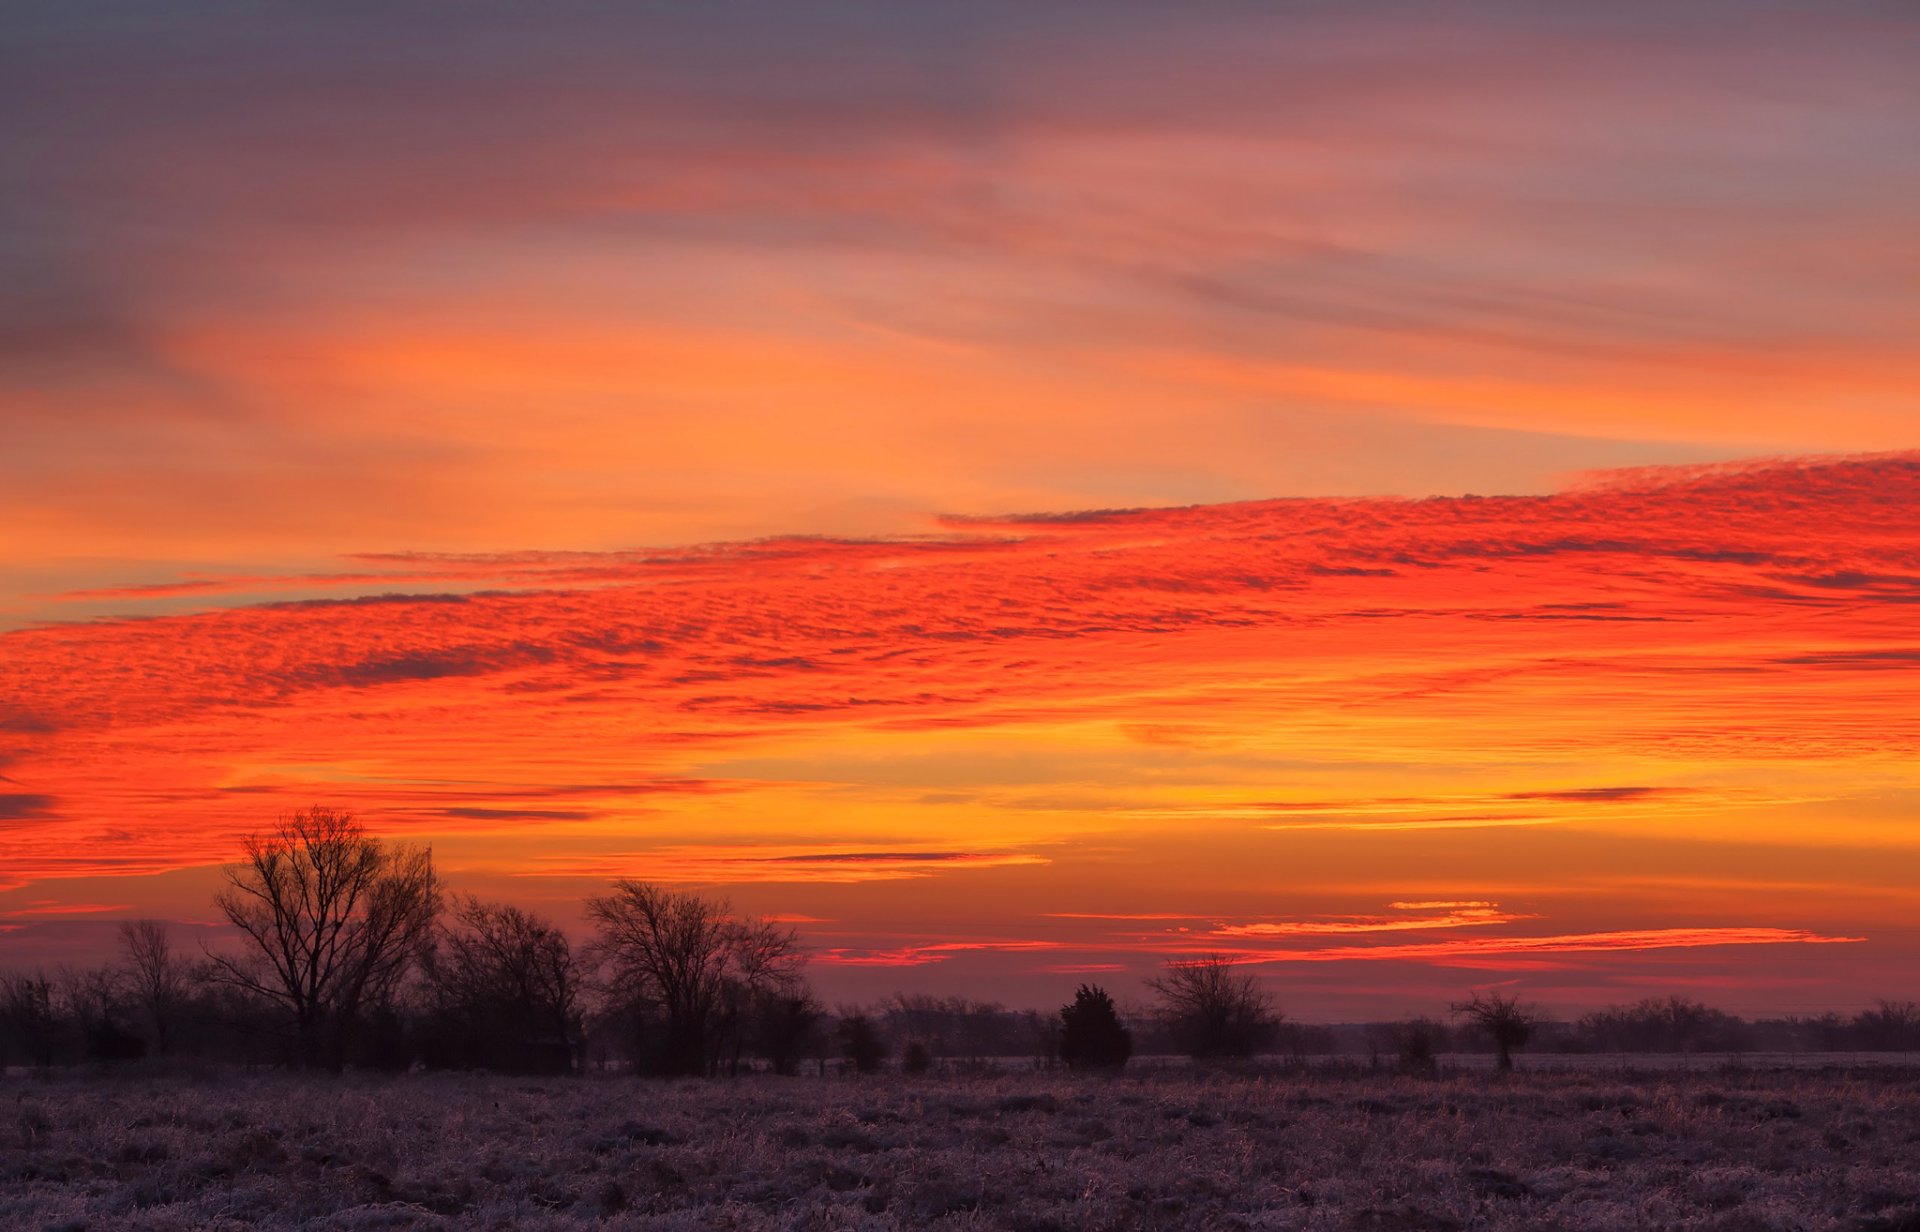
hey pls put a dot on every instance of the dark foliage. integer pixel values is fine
(1091, 1034)
(502, 993)
(1504, 1021)
(332, 921)
(1213, 1011)
(862, 1043)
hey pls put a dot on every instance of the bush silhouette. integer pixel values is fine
(1091, 1036)
(1215, 1012)
(862, 1043)
(1418, 1040)
(1503, 1020)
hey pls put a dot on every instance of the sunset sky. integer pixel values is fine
(1422, 497)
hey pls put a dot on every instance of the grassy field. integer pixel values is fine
(1735, 1151)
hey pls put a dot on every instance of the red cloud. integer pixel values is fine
(1689, 627)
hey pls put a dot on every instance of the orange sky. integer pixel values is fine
(1656, 728)
(363, 384)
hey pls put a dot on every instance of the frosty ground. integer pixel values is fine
(1735, 1150)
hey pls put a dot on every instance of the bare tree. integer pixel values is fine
(1891, 1026)
(786, 1028)
(1214, 1011)
(763, 998)
(31, 1014)
(505, 984)
(1504, 1020)
(679, 952)
(96, 1004)
(332, 919)
(156, 978)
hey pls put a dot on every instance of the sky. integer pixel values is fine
(1418, 497)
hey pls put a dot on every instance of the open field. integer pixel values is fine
(1734, 1151)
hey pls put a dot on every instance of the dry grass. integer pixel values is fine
(1734, 1152)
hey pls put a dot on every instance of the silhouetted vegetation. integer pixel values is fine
(502, 992)
(1418, 1042)
(332, 920)
(1214, 1011)
(861, 1042)
(685, 976)
(158, 981)
(1502, 1019)
(349, 959)
(1092, 1036)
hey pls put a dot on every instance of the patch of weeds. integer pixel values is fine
(34, 1125)
(1093, 1130)
(842, 1138)
(256, 1150)
(1029, 1103)
(143, 1151)
(932, 1201)
(608, 1200)
(143, 1194)
(1402, 1219)
(648, 1135)
(1493, 1183)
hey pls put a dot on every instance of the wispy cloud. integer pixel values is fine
(978, 723)
(1452, 916)
(759, 865)
(1625, 940)
(925, 955)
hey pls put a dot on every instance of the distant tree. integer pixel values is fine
(1091, 1034)
(1890, 1026)
(331, 919)
(504, 989)
(762, 986)
(1039, 1037)
(1662, 1024)
(680, 954)
(96, 1002)
(1418, 1042)
(955, 1026)
(158, 980)
(31, 1015)
(861, 1042)
(1214, 1011)
(1503, 1020)
(786, 1028)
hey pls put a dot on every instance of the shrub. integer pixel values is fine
(861, 1042)
(1214, 1011)
(1091, 1037)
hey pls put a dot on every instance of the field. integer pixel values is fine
(1730, 1150)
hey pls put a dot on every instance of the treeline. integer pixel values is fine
(1656, 1025)
(353, 954)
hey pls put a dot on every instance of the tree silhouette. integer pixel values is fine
(684, 956)
(156, 977)
(1213, 1011)
(505, 989)
(31, 1015)
(1503, 1020)
(1091, 1036)
(862, 1042)
(785, 1028)
(331, 917)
